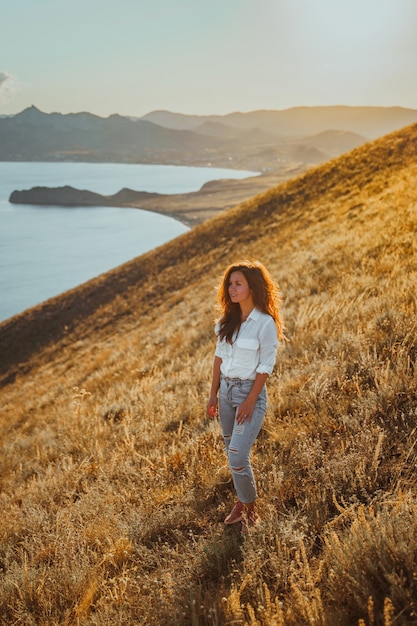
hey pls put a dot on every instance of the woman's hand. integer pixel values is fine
(244, 411)
(212, 405)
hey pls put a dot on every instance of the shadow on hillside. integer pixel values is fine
(219, 557)
(214, 550)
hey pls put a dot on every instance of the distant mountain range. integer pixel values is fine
(372, 122)
(258, 140)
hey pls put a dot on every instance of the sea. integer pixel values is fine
(45, 251)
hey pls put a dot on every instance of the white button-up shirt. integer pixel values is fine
(253, 350)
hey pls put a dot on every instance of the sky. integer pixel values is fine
(206, 57)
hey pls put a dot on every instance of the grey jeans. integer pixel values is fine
(239, 438)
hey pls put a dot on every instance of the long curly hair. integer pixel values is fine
(265, 294)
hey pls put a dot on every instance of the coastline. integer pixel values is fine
(214, 197)
(189, 208)
(173, 200)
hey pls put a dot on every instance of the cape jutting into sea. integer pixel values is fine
(46, 250)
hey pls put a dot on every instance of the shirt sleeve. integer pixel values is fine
(268, 340)
(218, 351)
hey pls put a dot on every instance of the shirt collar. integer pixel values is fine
(254, 314)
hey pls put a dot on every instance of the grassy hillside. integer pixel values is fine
(114, 484)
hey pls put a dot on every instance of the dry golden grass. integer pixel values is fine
(114, 484)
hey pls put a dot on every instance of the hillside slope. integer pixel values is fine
(113, 482)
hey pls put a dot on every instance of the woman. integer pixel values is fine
(247, 338)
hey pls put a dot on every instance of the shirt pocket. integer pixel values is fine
(246, 352)
(223, 350)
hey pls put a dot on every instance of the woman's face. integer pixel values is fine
(238, 289)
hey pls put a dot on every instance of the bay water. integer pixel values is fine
(46, 250)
